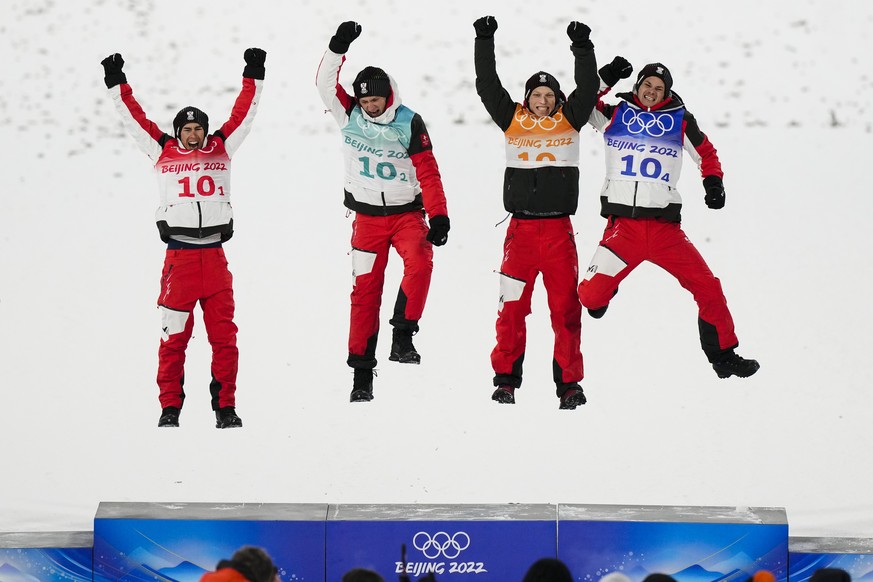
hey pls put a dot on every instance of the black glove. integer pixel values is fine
(346, 33)
(579, 33)
(255, 58)
(612, 73)
(714, 192)
(439, 230)
(485, 27)
(112, 73)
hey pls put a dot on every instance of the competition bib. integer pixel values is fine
(376, 154)
(534, 142)
(644, 146)
(194, 175)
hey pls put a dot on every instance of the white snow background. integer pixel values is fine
(782, 88)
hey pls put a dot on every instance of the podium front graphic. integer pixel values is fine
(46, 556)
(455, 542)
(182, 541)
(691, 544)
(806, 555)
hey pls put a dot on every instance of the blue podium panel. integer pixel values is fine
(45, 557)
(806, 555)
(182, 541)
(692, 544)
(456, 542)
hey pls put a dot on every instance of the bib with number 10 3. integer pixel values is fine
(644, 146)
(194, 175)
(534, 142)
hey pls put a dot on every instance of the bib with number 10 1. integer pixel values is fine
(194, 175)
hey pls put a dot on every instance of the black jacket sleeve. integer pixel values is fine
(583, 99)
(496, 99)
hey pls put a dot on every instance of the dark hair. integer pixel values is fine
(548, 570)
(253, 563)
(362, 575)
(830, 575)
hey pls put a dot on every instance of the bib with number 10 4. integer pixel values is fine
(644, 146)
(194, 175)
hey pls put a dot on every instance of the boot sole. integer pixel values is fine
(404, 360)
(573, 401)
(503, 397)
(726, 374)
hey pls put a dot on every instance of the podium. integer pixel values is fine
(691, 544)
(182, 541)
(458, 543)
(46, 556)
(806, 555)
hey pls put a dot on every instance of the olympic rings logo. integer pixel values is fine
(654, 125)
(528, 122)
(441, 543)
(374, 130)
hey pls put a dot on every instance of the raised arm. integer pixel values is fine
(610, 74)
(338, 102)
(147, 135)
(238, 126)
(583, 99)
(496, 99)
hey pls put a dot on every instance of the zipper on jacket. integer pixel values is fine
(634, 209)
(199, 221)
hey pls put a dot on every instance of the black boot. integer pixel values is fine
(226, 418)
(362, 386)
(169, 417)
(599, 312)
(504, 395)
(730, 364)
(572, 398)
(402, 349)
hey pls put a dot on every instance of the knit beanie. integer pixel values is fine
(544, 79)
(190, 115)
(372, 82)
(655, 70)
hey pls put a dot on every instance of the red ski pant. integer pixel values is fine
(531, 247)
(372, 238)
(191, 276)
(627, 242)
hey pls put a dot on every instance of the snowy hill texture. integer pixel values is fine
(783, 90)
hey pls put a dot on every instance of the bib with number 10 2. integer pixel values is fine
(644, 146)
(194, 175)
(377, 154)
(534, 142)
